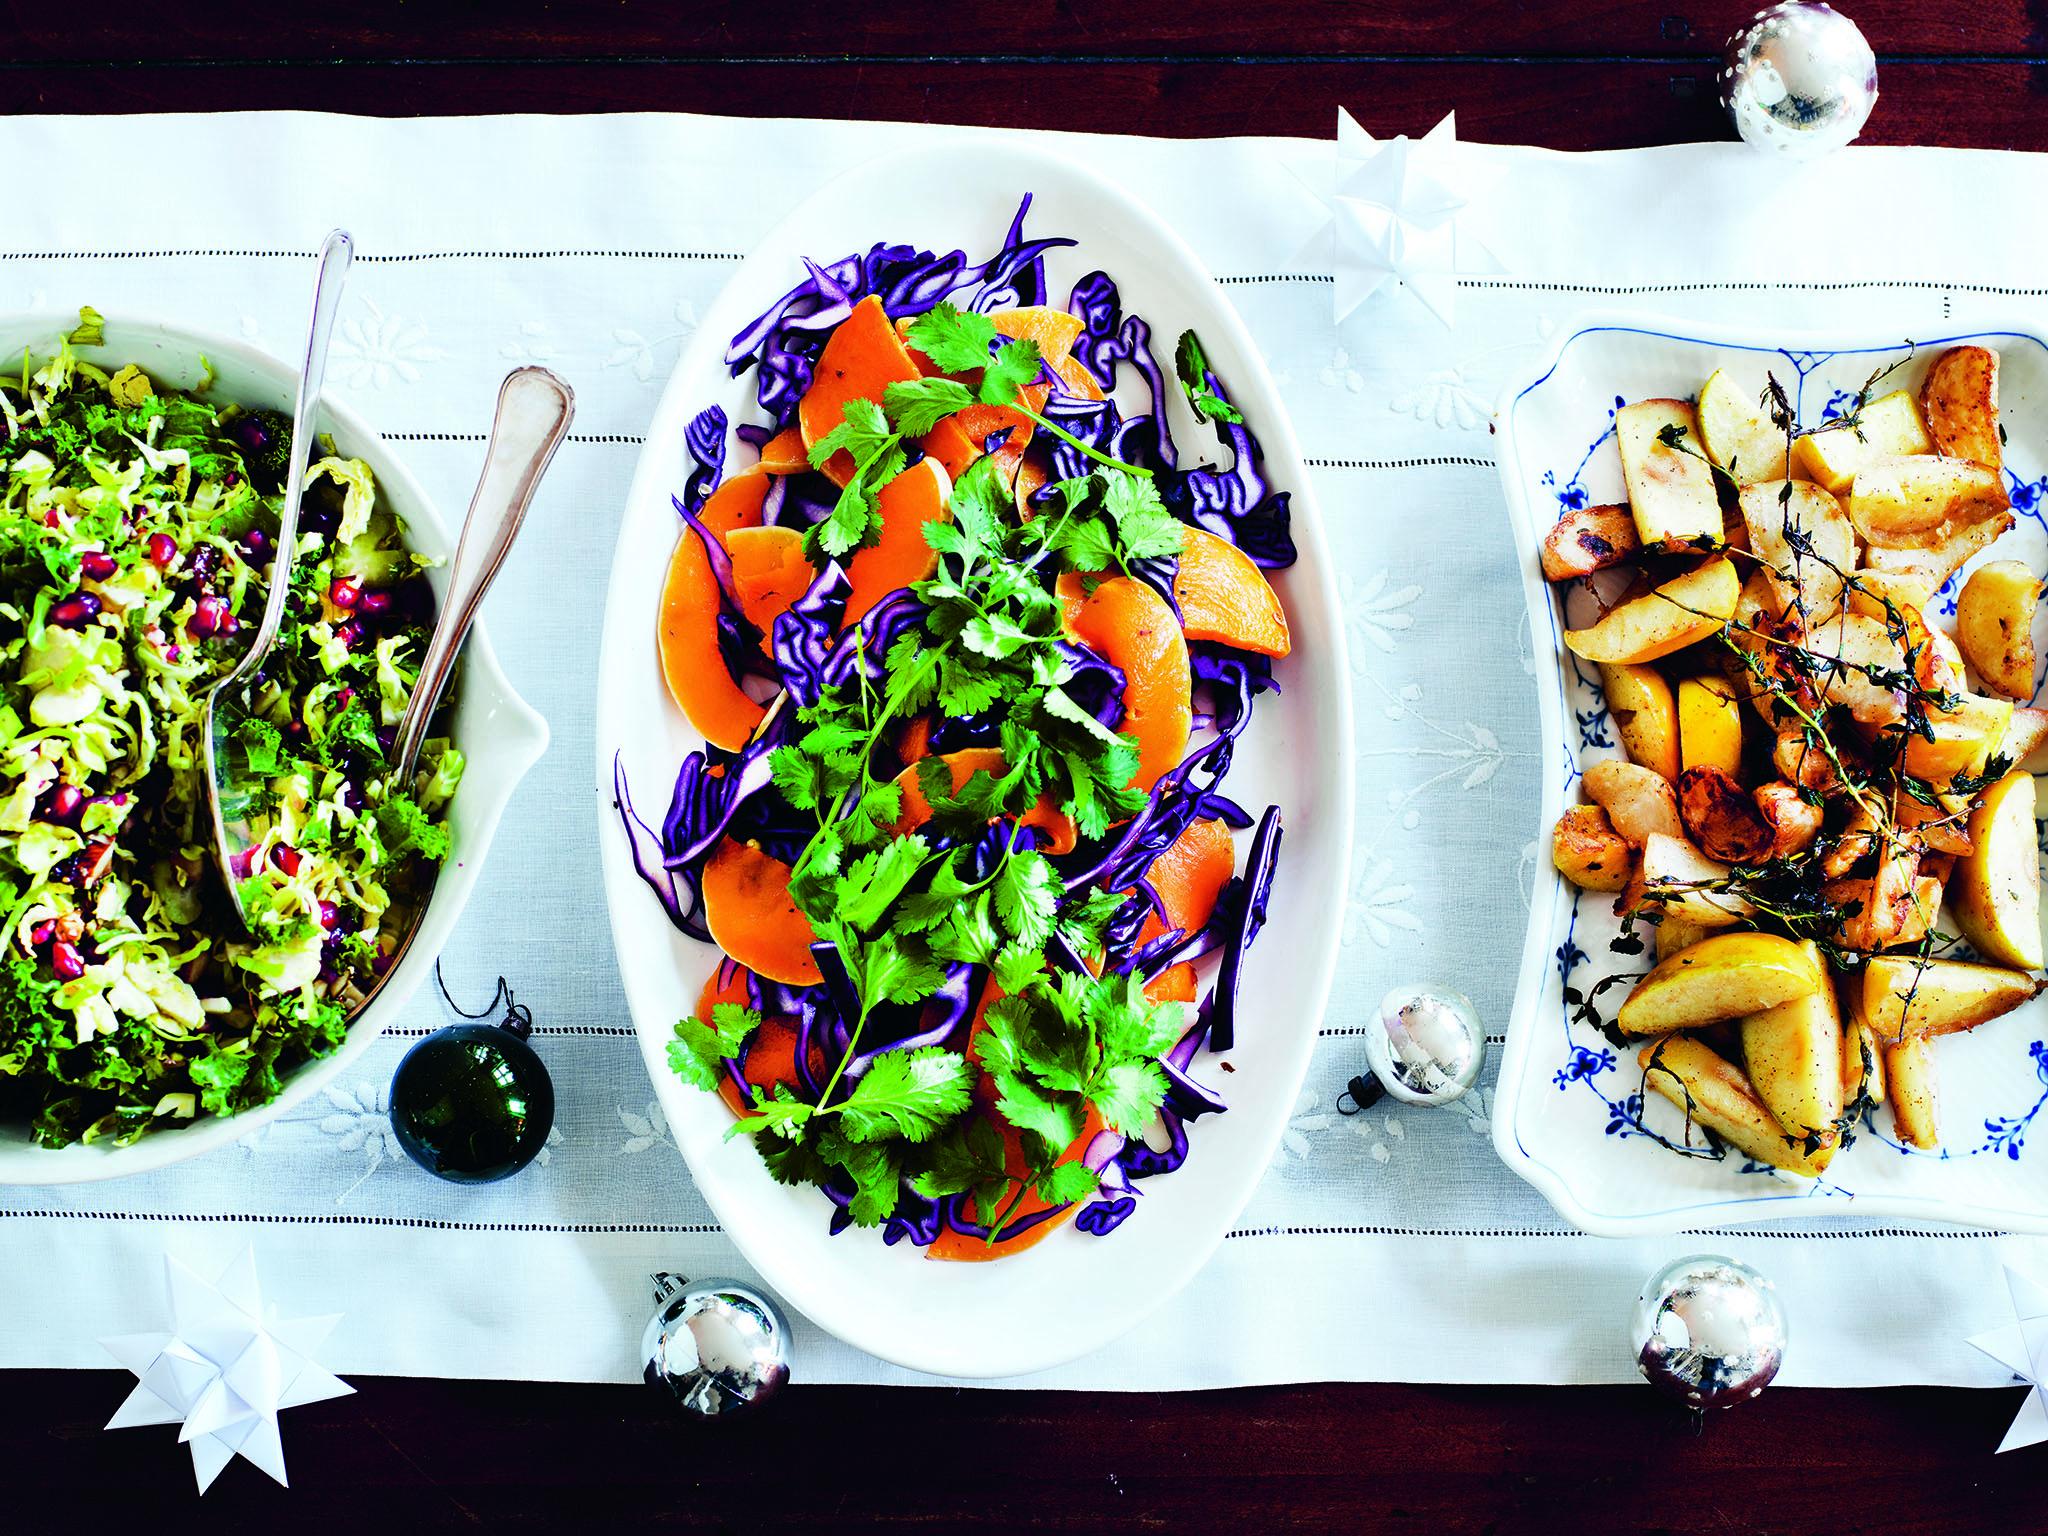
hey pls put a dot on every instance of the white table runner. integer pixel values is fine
(1387, 1245)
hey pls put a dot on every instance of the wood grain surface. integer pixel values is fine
(431, 1456)
(427, 1456)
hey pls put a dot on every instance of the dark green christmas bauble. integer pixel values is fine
(472, 1103)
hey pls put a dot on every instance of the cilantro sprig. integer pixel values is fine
(875, 437)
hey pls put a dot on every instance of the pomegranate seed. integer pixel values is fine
(344, 592)
(349, 633)
(294, 729)
(163, 549)
(330, 915)
(66, 961)
(255, 541)
(75, 611)
(63, 804)
(208, 617)
(42, 933)
(285, 858)
(95, 565)
(376, 604)
(342, 697)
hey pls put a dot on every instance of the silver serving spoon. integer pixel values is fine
(232, 840)
(534, 412)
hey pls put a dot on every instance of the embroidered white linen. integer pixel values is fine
(1393, 1241)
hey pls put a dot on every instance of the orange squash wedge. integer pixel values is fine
(748, 909)
(696, 674)
(769, 1060)
(900, 556)
(1075, 375)
(1130, 626)
(769, 572)
(862, 358)
(1223, 596)
(785, 453)
(1188, 877)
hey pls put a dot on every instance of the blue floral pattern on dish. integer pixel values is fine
(1589, 1061)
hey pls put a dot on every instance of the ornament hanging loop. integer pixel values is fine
(1360, 1094)
(518, 1017)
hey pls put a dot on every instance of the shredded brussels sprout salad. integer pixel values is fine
(137, 528)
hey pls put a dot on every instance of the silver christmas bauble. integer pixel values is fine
(1709, 1331)
(1429, 1046)
(1799, 80)
(720, 1346)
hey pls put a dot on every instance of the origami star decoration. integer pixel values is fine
(1392, 216)
(226, 1370)
(2022, 1348)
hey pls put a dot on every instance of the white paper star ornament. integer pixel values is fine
(226, 1371)
(2022, 1348)
(1393, 216)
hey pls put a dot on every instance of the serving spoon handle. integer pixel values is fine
(231, 837)
(534, 412)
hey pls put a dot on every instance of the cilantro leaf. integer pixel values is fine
(1083, 921)
(1050, 1116)
(877, 1180)
(1026, 891)
(1191, 366)
(1064, 1183)
(1017, 966)
(956, 340)
(873, 882)
(1147, 530)
(1130, 1092)
(853, 521)
(780, 1113)
(967, 1155)
(915, 406)
(909, 1094)
(1003, 381)
(891, 974)
(697, 1054)
(863, 434)
(966, 934)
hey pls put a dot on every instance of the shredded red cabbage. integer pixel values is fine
(784, 342)
(704, 441)
(1248, 896)
(676, 889)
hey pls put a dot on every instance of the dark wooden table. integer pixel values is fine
(428, 1456)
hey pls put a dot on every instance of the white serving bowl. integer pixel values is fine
(499, 732)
